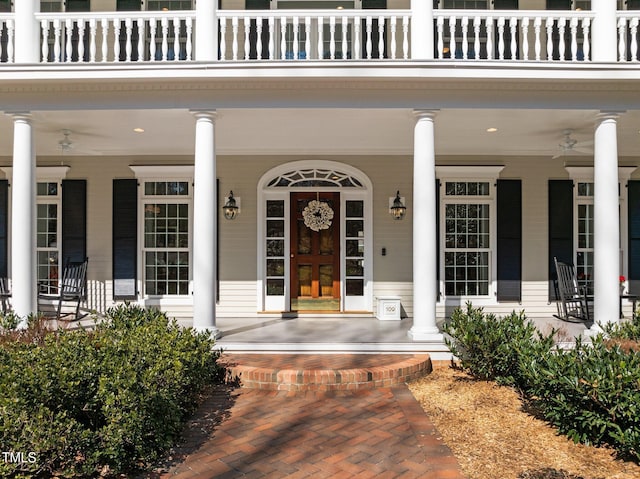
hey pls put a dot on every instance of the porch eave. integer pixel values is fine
(394, 84)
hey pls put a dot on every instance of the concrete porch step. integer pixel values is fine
(324, 372)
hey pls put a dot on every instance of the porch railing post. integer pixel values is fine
(27, 31)
(604, 33)
(206, 30)
(422, 30)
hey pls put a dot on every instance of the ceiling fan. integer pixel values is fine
(570, 145)
(66, 144)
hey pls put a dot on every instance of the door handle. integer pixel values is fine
(293, 255)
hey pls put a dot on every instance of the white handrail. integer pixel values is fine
(301, 35)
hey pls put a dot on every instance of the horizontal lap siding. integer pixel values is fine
(392, 273)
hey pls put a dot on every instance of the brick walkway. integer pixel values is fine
(368, 433)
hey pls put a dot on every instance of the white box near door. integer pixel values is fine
(388, 308)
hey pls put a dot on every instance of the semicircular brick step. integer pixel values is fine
(324, 372)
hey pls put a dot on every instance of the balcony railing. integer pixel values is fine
(513, 35)
(339, 35)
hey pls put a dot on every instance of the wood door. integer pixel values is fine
(315, 257)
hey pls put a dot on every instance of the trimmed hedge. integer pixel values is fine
(107, 401)
(491, 347)
(591, 393)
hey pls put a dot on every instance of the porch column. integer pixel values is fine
(204, 224)
(604, 31)
(421, 30)
(23, 219)
(27, 31)
(606, 235)
(425, 284)
(206, 30)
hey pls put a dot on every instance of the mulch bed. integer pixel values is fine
(487, 429)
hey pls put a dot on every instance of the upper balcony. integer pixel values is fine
(471, 36)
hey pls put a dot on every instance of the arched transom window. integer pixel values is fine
(315, 177)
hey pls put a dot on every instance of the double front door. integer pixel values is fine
(315, 251)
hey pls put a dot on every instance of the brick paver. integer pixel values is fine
(381, 433)
(325, 372)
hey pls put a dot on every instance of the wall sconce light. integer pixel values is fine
(397, 207)
(231, 208)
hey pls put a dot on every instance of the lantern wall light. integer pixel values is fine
(231, 207)
(397, 209)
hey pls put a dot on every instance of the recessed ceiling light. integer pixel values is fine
(139, 130)
(491, 130)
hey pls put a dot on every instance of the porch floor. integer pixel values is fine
(318, 334)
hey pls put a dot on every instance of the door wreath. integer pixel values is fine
(317, 215)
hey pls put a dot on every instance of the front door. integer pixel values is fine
(315, 251)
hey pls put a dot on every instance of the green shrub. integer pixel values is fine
(590, 393)
(624, 329)
(113, 399)
(491, 348)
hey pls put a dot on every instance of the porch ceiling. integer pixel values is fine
(316, 132)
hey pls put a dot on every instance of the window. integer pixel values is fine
(65, 6)
(275, 247)
(169, 5)
(584, 222)
(584, 249)
(48, 206)
(467, 238)
(354, 262)
(166, 257)
(468, 231)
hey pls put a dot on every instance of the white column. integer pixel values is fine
(204, 224)
(425, 252)
(27, 31)
(421, 30)
(606, 237)
(23, 219)
(206, 31)
(604, 32)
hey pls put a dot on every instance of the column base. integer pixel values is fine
(432, 335)
(214, 332)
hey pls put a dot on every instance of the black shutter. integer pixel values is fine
(74, 220)
(375, 32)
(4, 223)
(253, 30)
(560, 227)
(125, 238)
(634, 236)
(505, 4)
(509, 240)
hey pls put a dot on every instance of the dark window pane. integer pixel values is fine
(275, 247)
(275, 228)
(275, 209)
(354, 267)
(355, 247)
(275, 287)
(355, 209)
(355, 228)
(354, 287)
(275, 267)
